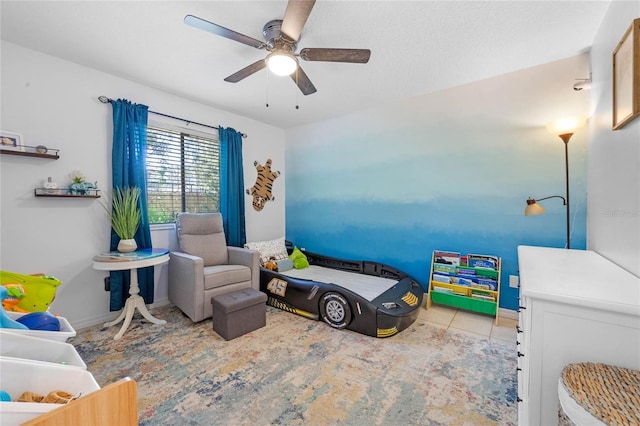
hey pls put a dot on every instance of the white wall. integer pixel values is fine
(54, 103)
(613, 174)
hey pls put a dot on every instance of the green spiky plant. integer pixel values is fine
(125, 214)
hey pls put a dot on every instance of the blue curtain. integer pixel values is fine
(129, 156)
(232, 186)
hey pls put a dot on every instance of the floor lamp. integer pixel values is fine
(563, 128)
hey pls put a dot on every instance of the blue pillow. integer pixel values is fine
(284, 265)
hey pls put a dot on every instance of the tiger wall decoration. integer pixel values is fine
(261, 190)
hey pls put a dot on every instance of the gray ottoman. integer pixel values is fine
(238, 313)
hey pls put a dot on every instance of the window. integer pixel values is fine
(183, 173)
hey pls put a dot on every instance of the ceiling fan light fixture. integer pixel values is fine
(281, 62)
(281, 41)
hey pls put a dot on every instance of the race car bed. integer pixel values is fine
(367, 297)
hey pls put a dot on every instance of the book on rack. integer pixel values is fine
(444, 269)
(479, 294)
(446, 257)
(441, 278)
(483, 261)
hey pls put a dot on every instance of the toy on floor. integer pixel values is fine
(5, 321)
(34, 293)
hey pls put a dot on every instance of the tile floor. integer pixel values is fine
(463, 321)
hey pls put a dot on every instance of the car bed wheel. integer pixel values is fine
(335, 310)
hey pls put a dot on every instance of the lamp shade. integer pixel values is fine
(568, 125)
(533, 208)
(281, 62)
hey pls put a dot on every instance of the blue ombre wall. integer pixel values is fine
(449, 170)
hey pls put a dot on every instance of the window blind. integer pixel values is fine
(183, 174)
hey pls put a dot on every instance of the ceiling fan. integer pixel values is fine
(282, 37)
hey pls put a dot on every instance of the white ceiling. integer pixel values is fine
(417, 47)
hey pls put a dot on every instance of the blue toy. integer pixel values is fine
(40, 321)
(5, 321)
(4, 396)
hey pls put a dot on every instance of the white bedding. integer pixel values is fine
(366, 286)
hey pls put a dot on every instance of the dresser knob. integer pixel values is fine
(518, 329)
(519, 400)
(520, 354)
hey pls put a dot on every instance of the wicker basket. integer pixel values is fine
(609, 394)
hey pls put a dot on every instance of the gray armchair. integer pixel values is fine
(204, 266)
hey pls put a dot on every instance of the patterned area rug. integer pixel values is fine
(300, 371)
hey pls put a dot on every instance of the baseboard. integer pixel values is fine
(508, 313)
(90, 322)
(110, 316)
(158, 303)
(502, 312)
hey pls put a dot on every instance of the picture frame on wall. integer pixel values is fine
(626, 77)
(10, 141)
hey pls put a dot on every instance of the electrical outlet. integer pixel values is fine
(514, 281)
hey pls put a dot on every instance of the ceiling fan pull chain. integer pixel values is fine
(297, 91)
(267, 91)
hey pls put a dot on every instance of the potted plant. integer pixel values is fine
(125, 216)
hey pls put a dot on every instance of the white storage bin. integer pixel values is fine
(35, 349)
(66, 331)
(19, 375)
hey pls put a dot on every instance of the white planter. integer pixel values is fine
(126, 246)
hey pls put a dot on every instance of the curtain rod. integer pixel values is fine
(106, 100)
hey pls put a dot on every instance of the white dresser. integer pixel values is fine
(575, 306)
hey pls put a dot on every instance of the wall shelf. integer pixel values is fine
(64, 193)
(32, 151)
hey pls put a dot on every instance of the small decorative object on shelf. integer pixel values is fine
(82, 188)
(50, 185)
(469, 281)
(10, 141)
(77, 176)
(78, 185)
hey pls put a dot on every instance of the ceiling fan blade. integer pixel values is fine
(295, 17)
(246, 71)
(357, 56)
(216, 29)
(302, 81)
